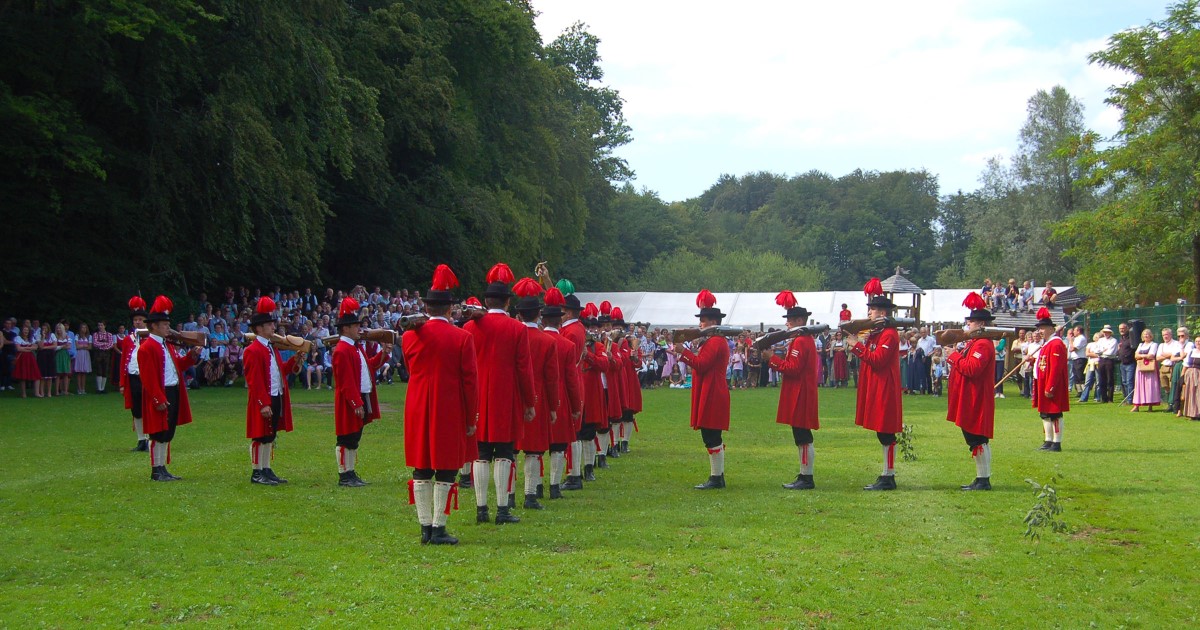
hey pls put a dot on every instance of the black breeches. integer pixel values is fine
(172, 416)
(802, 436)
(559, 447)
(350, 440)
(1051, 416)
(495, 450)
(974, 440)
(711, 437)
(586, 432)
(627, 416)
(425, 474)
(886, 438)
(135, 395)
(276, 418)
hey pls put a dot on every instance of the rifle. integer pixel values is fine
(413, 322)
(290, 342)
(691, 334)
(772, 338)
(377, 335)
(853, 327)
(193, 338)
(952, 336)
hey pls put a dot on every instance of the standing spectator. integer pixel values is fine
(1018, 355)
(47, 346)
(62, 360)
(926, 343)
(1001, 356)
(1091, 371)
(8, 353)
(845, 315)
(1185, 349)
(25, 367)
(1167, 350)
(1049, 295)
(1126, 345)
(1033, 347)
(937, 371)
(314, 365)
(234, 365)
(841, 364)
(1145, 388)
(1189, 401)
(1077, 351)
(1106, 351)
(102, 345)
(905, 346)
(737, 364)
(81, 365)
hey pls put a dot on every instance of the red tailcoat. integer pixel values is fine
(612, 384)
(798, 391)
(633, 386)
(972, 393)
(710, 390)
(879, 408)
(256, 361)
(347, 375)
(127, 345)
(442, 402)
(543, 353)
(570, 398)
(1051, 369)
(594, 363)
(576, 333)
(151, 357)
(505, 376)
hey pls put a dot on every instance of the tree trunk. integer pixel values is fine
(1196, 268)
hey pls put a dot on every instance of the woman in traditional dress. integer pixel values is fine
(1145, 385)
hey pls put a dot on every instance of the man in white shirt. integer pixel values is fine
(926, 344)
(1106, 349)
(1173, 358)
(1077, 349)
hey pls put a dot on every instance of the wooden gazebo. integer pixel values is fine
(897, 285)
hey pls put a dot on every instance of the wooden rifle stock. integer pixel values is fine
(413, 322)
(952, 336)
(772, 338)
(377, 335)
(289, 342)
(192, 338)
(855, 326)
(691, 334)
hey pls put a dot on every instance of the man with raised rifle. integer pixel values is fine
(971, 403)
(534, 440)
(354, 402)
(879, 407)
(798, 392)
(710, 390)
(564, 432)
(268, 403)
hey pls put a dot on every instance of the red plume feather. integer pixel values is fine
(605, 307)
(974, 301)
(265, 305)
(499, 273)
(162, 304)
(473, 301)
(617, 314)
(527, 287)
(349, 307)
(136, 303)
(705, 299)
(589, 311)
(444, 279)
(1043, 313)
(873, 287)
(554, 297)
(786, 299)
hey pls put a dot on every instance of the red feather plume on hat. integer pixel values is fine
(162, 304)
(473, 301)
(554, 297)
(349, 306)
(617, 314)
(499, 273)
(265, 306)
(974, 301)
(443, 279)
(705, 299)
(589, 311)
(873, 287)
(527, 287)
(136, 303)
(786, 299)
(605, 307)
(1043, 313)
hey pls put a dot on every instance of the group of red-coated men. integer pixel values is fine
(879, 407)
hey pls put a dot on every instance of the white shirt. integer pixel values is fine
(364, 375)
(569, 322)
(1079, 347)
(1107, 347)
(276, 377)
(1170, 348)
(927, 344)
(170, 374)
(132, 368)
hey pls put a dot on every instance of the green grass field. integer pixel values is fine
(89, 541)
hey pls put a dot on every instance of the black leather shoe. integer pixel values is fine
(802, 482)
(540, 492)
(1045, 446)
(439, 537)
(481, 514)
(588, 473)
(512, 499)
(464, 481)
(359, 481)
(614, 451)
(1055, 447)
(349, 480)
(715, 482)
(980, 483)
(555, 491)
(142, 446)
(270, 474)
(531, 503)
(574, 482)
(884, 482)
(156, 474)
(625, 446)
(505, 515)
(601, 461)
(260, 478)
(426, 533)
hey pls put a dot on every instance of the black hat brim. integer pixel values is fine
(711, 313)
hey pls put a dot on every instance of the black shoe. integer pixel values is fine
(980, 483)
(555, 491)
(143, 446)
(574, 482)
(464, 481)
(715, 482)
(540, 493)
(1055, 447)
(169, 477)
(505, 515)
(589, 473)
(156, 474)
(270, 474)
(439, 536)
(426, 534)
(625, 446)
(802, 482)
(349, 480)
(512, 499)
(358, 480)
(481, 514)
(1045, 445)
(531, 503)
(884, 482)
(601, 461)
(614, 451)
(262, 479)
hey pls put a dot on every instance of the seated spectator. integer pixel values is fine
(1012, 296)
(233, 358)
(986, 290)
(1049, 295)
(1027, 297)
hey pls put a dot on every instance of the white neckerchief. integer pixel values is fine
(550, 329)
(569, 322)
(530, 324)
(441, 318)
(170, 374)
(499, 311)
(276, 377)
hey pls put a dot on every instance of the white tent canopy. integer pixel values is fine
(758, 310)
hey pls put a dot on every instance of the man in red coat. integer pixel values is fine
(354, 381)
(543, 355)
(710, 390)
(798, 391)
(441, 408)
(506, 394)
(879, 408)
(130, 381)
(164, 398)
(972, 400)
(573, 330)
(268, 403)
(611, 380)
(591, 367)
(631, 387)
(1050, 394)
(564, 431)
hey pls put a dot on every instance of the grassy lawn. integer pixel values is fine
(88, 540)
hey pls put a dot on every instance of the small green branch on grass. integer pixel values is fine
(1046, 512)
(905, 440)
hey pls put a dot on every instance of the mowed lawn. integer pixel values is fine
(89, 541)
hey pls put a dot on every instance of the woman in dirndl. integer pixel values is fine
(1146, 391)
(81, 365)
(26, 368)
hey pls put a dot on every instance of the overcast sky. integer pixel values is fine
(788, 87)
